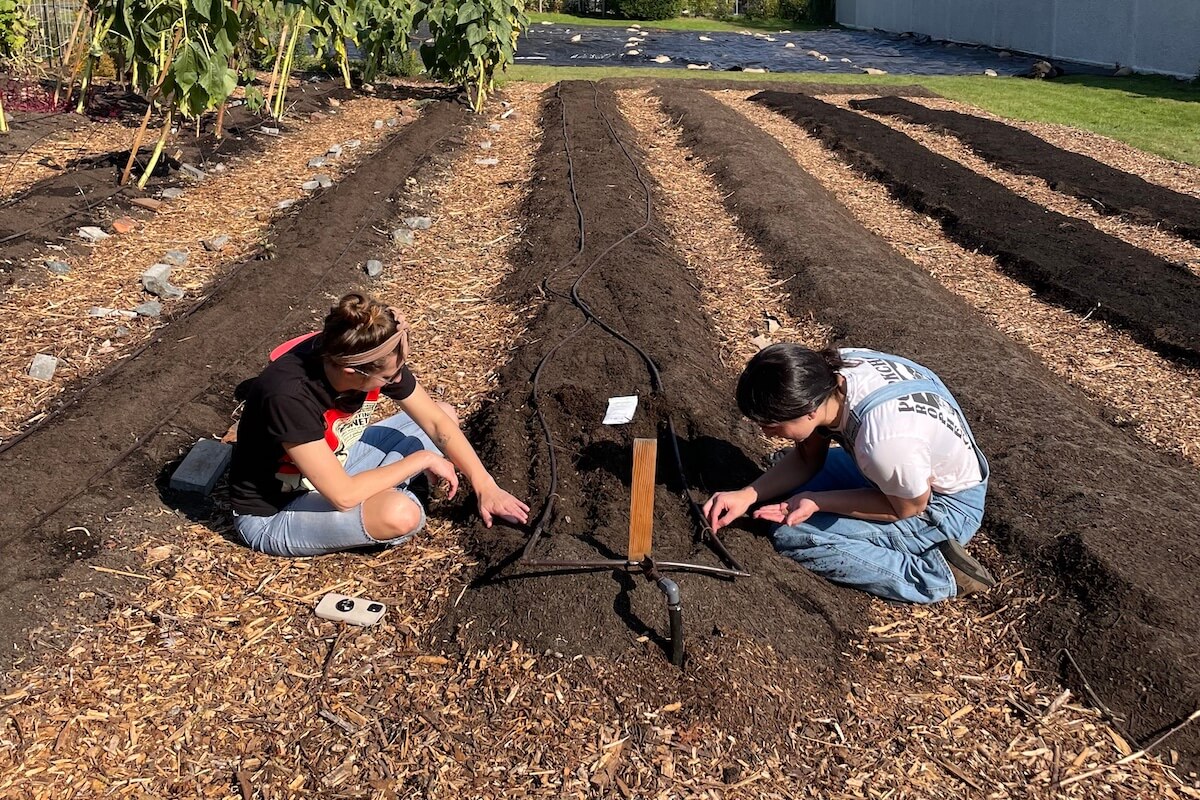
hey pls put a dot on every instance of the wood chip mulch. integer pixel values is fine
(217, 680)
(446, 281)
(1161, 243)
(1158, 399)
(51, 316)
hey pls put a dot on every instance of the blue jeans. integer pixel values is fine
(894, 560)
(311, 526)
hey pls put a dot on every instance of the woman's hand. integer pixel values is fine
(495, 502)
(793, 511)
(442, 472)
(724, 507)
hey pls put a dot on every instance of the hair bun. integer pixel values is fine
(358, 310)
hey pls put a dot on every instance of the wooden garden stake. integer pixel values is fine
(83, 11)
(158, 148)
(141, 134)
(641, 498)
(278, 60)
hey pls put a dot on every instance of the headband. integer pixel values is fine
(386, 348)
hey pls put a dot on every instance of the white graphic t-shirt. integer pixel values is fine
(907, 445)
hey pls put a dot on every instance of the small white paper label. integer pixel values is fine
(620, 410)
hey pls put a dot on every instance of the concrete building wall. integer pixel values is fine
(1148, 35)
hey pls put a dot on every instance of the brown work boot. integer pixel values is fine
(969, 574)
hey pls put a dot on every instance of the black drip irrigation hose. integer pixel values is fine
(263, 342)
(707, 534)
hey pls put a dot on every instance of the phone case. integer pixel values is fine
(354, 610)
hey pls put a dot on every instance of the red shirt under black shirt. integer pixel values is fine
(293, 401)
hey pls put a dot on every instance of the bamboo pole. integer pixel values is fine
(141, 134)
(83, 10)
(286, 71)
(3, 120)
(278, 60)
(158, 148)
(137, 141)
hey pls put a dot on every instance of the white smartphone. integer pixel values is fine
(354, 610)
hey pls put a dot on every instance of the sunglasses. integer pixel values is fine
(395, 376)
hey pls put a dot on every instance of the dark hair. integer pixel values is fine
(356, 324)
(786, 381)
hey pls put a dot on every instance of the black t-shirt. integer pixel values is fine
(293, 401)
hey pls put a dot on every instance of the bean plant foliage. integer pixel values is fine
(470, 40)
(185, 54)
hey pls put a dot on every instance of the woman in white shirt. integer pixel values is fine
(889, 509)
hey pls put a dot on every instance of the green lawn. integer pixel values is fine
(1155, 114)
(677, 24)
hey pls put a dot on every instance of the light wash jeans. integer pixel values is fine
(894, 560)
(311, 526)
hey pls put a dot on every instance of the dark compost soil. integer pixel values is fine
(85, 192)
(1066, 259)
(109, 447)
(644, 290)
(1072, 497)
(1110, 190)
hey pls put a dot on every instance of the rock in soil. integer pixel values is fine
(487, 162)
(173, 193)
(335, 150)
(403, 236)
(324, 181)
(157, 281)
(418, 223)
(193, 172)
(317, 162)
(216, 243)
(150, 308)
(43, 367)
(310, 186)
(374, 268)
(90, 233)
(176, 258)
(58, 267)
(123, 225)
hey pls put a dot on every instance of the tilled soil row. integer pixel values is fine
(1069, 493)
(645, 291)
(1111, 191)
(70, 473)
(1066, 259)
(86, 192)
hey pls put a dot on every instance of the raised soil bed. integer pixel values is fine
(1077, 500)
(1066, 259)
(1109, 190)
(643, 290)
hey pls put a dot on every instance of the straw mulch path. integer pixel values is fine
(941, 691)
(1158, 399)
(51, 317)
(445, 282)
(55, 153)
(1161, 243)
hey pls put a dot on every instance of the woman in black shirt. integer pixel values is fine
(310, 475)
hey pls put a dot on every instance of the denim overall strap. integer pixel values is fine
(929, 383)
